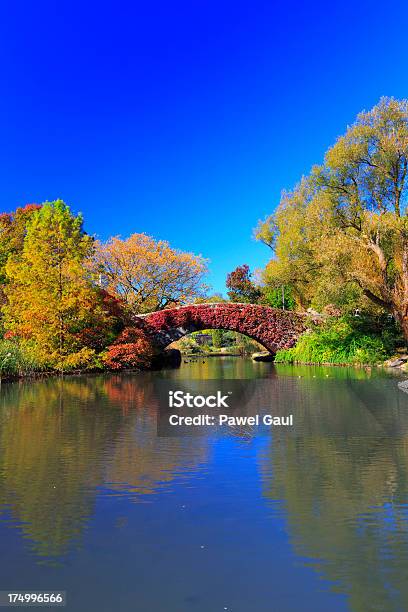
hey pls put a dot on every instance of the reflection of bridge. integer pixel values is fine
(273, 328)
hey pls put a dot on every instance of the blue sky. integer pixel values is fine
(185, 120)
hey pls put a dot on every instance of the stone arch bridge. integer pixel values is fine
(274, 329)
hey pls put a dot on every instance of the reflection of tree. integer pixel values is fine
(345, 498)
(59, 439)
(52, 439)
(128, 393)
(205, 367)
(142, 462)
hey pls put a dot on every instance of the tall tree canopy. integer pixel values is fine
(342, 233)
(147, 274)
(13, 229)
(50, 299)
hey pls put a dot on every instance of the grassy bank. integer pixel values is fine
(15, 363)
(344, 341)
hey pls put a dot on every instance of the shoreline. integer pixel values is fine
(74, 373)
(365, 366)
(33, 376)
(201, 355)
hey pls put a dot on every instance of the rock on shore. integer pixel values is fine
(265, 356)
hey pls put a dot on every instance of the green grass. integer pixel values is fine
(337, 342)
(14, 361)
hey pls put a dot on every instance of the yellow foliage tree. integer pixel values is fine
(149, 275)
(50, 298)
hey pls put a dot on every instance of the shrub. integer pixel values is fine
(337, 342)
(15, 361)
(83, 359)
(132, 349)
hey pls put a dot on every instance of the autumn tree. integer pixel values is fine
(266, 231)
(13, 229)
(241, 286)
(147, 274)
(50, 299)
(215, 298)
(294, 232)
(344, 229)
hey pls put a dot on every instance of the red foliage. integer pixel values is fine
(132, 349)
(93, 337)
(114, 307)
(271, 327)
(5, 219)
(28, 208)
(242, 289)
(105, 326)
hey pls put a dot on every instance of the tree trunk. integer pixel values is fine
(401, 316)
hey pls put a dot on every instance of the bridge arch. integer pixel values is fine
(273, 328)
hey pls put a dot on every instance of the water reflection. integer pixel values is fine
(344, 488)
(61, 439)
(73, 449)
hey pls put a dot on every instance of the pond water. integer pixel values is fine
(315, 517)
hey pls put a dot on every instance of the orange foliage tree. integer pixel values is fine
(149, 275)
(132, 349)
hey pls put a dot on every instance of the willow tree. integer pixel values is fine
(346, 224)
(293, 233)
(50, 299)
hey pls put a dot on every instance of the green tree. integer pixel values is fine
(217, 338)
(295, 232)
(343, 231)
(279, 297)
(266, 231)
(50, 298)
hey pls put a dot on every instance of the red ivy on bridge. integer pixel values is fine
(273, 328)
